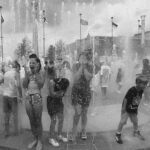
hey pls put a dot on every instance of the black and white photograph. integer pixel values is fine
(74, 74)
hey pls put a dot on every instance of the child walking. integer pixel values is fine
(130, 108)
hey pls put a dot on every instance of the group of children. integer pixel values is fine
(57, 86)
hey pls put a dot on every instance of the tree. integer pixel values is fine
(60, 49)
(24, 49)
(51, 53)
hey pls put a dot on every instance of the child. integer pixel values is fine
(130, 108)
(57, 89)
(119, 79)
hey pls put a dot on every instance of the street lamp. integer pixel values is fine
(1, 19)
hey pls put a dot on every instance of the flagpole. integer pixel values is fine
(112, 32)
(44, 19)
(1, 34)
(138, 26)
(80, 30)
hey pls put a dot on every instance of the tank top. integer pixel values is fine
(33, 86)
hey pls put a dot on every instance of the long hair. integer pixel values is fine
(39, 63)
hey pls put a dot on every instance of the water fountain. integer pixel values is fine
(62, 10)
(83, 6)
(39, 5)
(27, 16)
(18, 12)
(68, 17)
(44, 6)
(55, 18)
(12, 15)
(77, 7)
(62, 7)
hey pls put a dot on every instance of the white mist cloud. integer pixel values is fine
(125, 13)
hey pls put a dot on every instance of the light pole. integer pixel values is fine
(143, 30)
(112, 32)
(44, 20)
(2, 20)
(80, 30)
(139, 27)
(35, 26)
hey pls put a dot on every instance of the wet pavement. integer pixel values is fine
(96, 141)
(103, 119)
(100, 137)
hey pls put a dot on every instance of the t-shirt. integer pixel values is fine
(60, 84)
(105, 73)
(10, 83)
(133, 98)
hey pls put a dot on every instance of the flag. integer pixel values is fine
(83, 22)
(114, 24)
(2, 19)
(140, 26)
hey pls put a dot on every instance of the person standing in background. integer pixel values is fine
(105, 75)
(12, 94)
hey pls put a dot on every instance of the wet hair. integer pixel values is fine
(145, 61)
(51, 62)
(46, 62)
(33, 56)
(39, 62)
(15, 64)
(139, 80)
(67, 64)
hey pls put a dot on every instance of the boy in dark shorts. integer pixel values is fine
(130, 108)
(57, 89)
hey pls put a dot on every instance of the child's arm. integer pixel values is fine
(52, 92)
(77, 73)
(26, 79)
(40, 80)
(124, 105)
(19, 85)
(88, 75)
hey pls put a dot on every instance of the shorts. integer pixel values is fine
(9, 104)
(54, 105)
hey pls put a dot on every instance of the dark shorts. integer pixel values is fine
(9, 104)
(54, 105)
